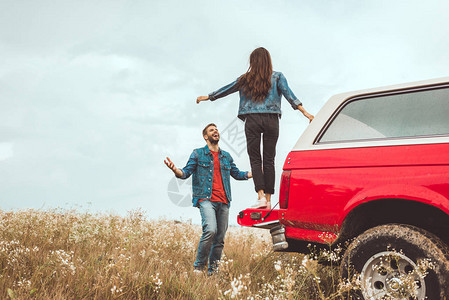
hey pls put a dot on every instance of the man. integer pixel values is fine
(211, 168)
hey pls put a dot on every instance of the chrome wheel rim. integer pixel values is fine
(392, 275)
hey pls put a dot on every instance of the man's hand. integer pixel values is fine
(172, 167)
(250, 175)
(202, 98)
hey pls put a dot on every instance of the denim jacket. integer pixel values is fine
(272, 103)
(201, 165)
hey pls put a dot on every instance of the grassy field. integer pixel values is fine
(69, 255)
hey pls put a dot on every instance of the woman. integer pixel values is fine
(260, 91)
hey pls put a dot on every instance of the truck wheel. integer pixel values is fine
(391, 262)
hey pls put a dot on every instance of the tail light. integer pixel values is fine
(285, 189)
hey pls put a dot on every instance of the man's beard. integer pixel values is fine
(213, 142)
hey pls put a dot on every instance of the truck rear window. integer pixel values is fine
(412, 114)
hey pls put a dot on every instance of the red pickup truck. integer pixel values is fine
(372, 172)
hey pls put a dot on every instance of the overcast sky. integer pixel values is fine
(94, 94)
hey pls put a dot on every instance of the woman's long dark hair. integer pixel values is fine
(256, 82)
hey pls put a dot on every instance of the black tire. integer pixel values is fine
(411, 244)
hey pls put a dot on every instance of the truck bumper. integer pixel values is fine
(268, 219)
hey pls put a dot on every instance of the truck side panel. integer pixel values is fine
(326, 184)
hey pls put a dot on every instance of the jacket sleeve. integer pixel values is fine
(224, 91)
(287, 92)
(236, 173)
(190, 166)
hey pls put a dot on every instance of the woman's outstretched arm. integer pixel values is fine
(224, 91)
(305, 113)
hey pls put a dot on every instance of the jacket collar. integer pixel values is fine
(207, 151)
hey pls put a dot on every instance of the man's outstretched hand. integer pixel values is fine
(172, 167)
(170, 164)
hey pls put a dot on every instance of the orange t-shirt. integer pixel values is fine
(218, 192)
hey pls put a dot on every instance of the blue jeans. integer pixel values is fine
(214, 219)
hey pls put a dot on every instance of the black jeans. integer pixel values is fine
(265, 127)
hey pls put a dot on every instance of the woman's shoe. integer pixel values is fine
(261, 203)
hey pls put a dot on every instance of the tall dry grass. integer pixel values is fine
(63, 254)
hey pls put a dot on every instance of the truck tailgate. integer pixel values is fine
(261, 218)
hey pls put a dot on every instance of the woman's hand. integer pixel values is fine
(202, 98)
(310, 117)
(305, 113)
